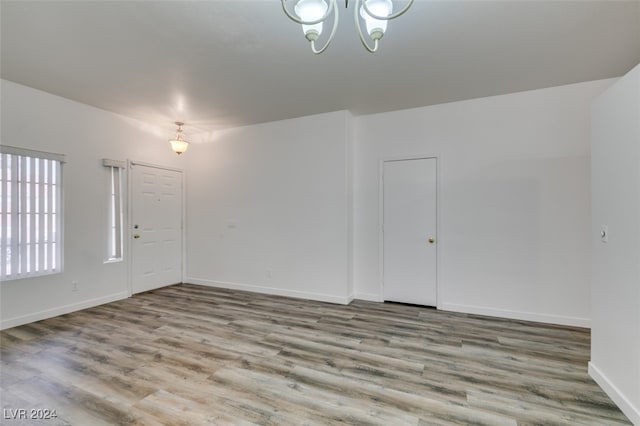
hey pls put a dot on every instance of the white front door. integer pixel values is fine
(409, 231)
(157, 227)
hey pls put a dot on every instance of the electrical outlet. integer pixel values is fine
(74, 285)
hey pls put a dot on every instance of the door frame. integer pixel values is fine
(129, 233)
(381, 162)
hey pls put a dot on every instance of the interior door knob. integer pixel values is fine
(432, 240)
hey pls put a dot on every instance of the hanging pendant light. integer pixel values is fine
(311, 14)
(178, 144)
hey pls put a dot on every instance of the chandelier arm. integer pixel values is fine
(333, 32)
(362, 38)
(386, 18)
(294, 18)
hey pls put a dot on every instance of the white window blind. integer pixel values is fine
(115, 216)
(30, 213)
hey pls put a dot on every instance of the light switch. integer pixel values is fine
(604, 233)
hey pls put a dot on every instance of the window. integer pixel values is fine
(115, 215)
(30, 213)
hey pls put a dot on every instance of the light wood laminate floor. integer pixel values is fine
(196, 355)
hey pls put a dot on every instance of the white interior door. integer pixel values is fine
(157, 227)
(409, 231)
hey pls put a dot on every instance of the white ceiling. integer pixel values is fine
(218, 64)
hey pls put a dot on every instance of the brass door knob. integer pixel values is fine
(136, 235)
(432, 240)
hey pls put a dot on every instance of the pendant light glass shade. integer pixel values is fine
(179, 145)
(309, 11)
(376, 27)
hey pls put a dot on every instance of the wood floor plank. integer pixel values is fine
(191, 355)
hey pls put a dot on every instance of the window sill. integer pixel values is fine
(22, 277)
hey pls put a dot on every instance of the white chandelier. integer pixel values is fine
(311, 14)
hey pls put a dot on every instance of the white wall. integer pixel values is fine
(41, 121)
(270, 206)
(615, 182)
(514, 200)
(268, 209)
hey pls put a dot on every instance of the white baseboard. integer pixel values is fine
(370, 297)
(518, 315)
(320, 297)
(633, 413)
(61, 310)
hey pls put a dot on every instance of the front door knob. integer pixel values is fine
(136, 235)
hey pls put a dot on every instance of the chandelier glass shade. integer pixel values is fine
(179, 145)
(312, 14)
(311, 10)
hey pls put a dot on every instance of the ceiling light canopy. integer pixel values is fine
(178, 144)
(312, 14)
